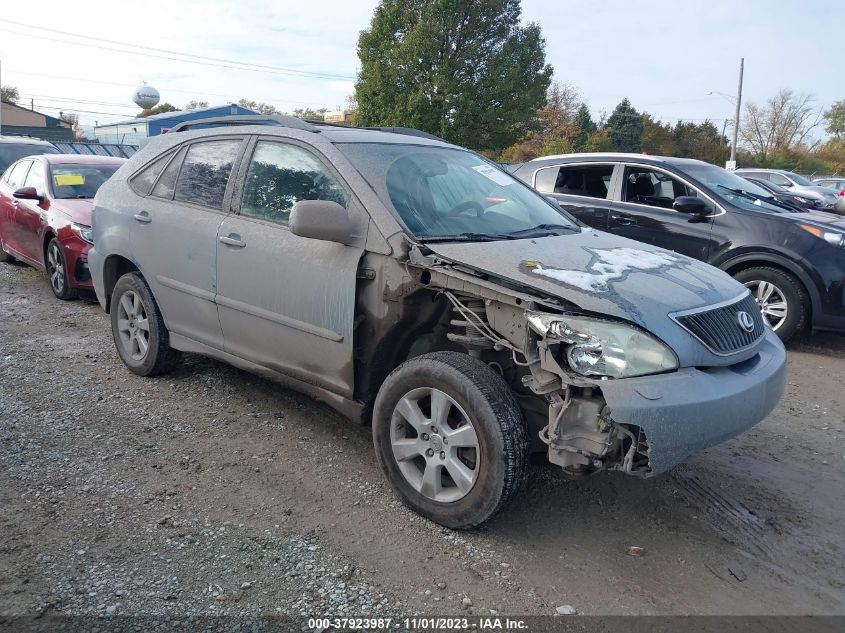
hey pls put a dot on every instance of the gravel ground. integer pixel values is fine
(212, 492)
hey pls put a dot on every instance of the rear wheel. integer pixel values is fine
(450, 438)
(138, 329)
(57, 271)
(781, 298)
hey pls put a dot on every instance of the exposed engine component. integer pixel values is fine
(468, 322)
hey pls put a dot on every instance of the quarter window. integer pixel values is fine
(143, 182)
(166, 184)
(17, 174)
(35, 178)
(653, 188)
(279, 176)
(591, 181)
(205, 172)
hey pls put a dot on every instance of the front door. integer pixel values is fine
(582, 189)
(31, 216)
(174, 235)
(644, 213)
(9, 204)
(287, 302)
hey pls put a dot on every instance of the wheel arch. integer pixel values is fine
(114, 267)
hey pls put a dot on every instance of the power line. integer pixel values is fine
(168, 54)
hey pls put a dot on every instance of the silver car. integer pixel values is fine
(419, 288)
(823, 198)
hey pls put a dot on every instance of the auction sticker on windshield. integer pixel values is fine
(68, 180)
(494, 174)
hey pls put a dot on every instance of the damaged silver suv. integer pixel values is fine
(413, 285)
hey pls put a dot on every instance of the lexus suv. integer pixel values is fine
(417, 287)
(793, 262)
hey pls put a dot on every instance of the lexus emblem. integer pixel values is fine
(745, 321)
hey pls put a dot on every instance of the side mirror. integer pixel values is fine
(320, 220)
(27, 193)
(690, 204)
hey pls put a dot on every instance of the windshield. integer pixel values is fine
(725, 185)
(800, 180)
(10, 152)
(442, 192)
(79, 181)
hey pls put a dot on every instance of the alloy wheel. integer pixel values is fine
(133, 325)
(771, 300)
(56, 268)
(435, 445)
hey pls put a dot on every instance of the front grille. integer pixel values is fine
(720, 329)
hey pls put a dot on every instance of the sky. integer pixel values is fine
(663, 55)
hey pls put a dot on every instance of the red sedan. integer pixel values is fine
(45, 215)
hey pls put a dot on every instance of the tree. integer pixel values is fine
(599, 141)
(259, 106)
(625, 128)
(586, 126)
(657, 138)
(780, 126)
(309, 114)
(159, 109)
(703, 141)
(834, 118)
(194, 104)
(9, 94)
(466, 71)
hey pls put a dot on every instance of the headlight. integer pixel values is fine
(831, 237)
(593, 347)
(83, 232)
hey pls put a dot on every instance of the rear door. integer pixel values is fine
(644, 212)
(174, 233)
(583, 189)
(287, 302)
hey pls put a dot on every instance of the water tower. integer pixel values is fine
(145, 97)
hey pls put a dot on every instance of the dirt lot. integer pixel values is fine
(212, 491)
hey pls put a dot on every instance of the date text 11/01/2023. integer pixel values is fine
(420, 624)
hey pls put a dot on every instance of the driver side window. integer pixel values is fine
(779, 180)
(653, 188)
(35, 178)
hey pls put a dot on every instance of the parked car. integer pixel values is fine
(415, 285)
(793, 263)
(45, 215)
(837, 183)
(14, 147)
(799, 185)
(780, 194)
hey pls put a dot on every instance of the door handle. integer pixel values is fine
(233, 239)
(624, 220)
(143, 217)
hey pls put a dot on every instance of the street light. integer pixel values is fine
(731, 164)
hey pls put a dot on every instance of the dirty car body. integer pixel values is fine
(407, 250)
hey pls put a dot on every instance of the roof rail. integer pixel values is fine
(409, 131)
(246, 119)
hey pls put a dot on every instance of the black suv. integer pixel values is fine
(793, 262)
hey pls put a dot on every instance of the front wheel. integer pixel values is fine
(450, 438)
(57, 270)
(138, 329)
(4, 256)
(781, 298)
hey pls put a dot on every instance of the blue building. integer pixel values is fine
(131, 132)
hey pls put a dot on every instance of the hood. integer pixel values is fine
(607, 275)
(822, 193)
(77, 209)
(833, 220)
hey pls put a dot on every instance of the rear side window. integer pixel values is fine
(166, 184)
(205, 172)
(144, 181)
(590, 181)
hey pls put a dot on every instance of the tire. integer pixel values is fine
(772, 287)
(471, 395)
(4, 256)
(146, 352)
(57, 272)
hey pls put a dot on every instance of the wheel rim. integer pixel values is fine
(771, 300)
(435, 445)
(133, 326)
(56, 268)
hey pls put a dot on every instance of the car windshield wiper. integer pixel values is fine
(468, 237)
(547, 229)
(767, 199)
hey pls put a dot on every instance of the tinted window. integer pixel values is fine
(653, 188)
(79, 181)
(166, 184)
(205, 172)
(10, 152)
(17, 174)
(279, 176)
(35, 178)
(783, 181)
(143, 182)
(592, 181)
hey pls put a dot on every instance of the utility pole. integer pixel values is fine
(732, 163)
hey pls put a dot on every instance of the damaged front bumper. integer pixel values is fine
(646, 425)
